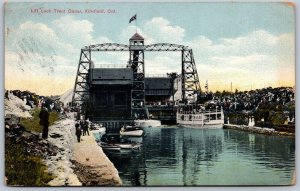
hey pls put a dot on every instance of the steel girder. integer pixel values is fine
(165, 47)
(81, 87)
(107, 47)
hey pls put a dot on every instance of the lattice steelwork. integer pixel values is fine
(108, 47)
(136, 61)
(81, 88)
(190, 80)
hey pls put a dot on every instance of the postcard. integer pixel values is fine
(149, 94)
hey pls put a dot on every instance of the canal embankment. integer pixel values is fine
(92, 166)
(260, 130)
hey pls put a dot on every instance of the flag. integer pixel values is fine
(132, 18)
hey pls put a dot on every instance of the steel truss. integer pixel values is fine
(190, 80)
(136, 61)
(81, 87)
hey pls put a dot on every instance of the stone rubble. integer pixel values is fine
(62, 136)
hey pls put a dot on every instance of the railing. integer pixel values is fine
(110, 66)
(210, 111)
(157, 76)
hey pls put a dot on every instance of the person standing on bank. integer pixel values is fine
(78, 132)
(44, 121)
(86, 128)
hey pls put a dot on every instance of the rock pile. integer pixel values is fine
(17, 107)
(62, 135)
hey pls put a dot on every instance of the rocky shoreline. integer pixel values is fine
(260, 130)
(78, 164)
(68, 162)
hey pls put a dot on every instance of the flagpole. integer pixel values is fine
(136, 25)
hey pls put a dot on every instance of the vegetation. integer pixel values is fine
(273, 115)
(32, 124)
(22, 169)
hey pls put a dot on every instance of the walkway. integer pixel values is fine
(92, 166)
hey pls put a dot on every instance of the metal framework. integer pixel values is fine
(107, 47)
(190, 80)
(136, 61)
(81, 87)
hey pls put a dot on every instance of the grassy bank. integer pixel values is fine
(23, 168)
(32, 124)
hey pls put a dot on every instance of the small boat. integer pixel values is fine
(120, 146)
(109, 147)
(131, 131)
(114, 143)
(128, 146)
(148, 122)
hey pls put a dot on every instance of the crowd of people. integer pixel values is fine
(33, 100)
(252, 100)
(271, 106)
(46, 105)
(82, 128)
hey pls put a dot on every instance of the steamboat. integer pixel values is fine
(199, 116)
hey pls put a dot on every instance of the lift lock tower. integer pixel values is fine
(190, 85)
(136, 62)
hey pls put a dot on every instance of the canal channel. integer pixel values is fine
(177, 156)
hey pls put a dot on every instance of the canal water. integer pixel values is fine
(177, 156)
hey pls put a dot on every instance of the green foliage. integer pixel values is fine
(277, 118)
(32, 124)
(237, 118)
(22, 169)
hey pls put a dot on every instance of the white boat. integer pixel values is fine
(147, 122)
(198, 117)
(128, 146)
(119, 146)
(109, 147)
(131, 131)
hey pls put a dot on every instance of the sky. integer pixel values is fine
(251, 45)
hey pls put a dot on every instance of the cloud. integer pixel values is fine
(161, 64)
(250, 60)
(161, 30)
(156, 30)
(79, 33)
(257, 58)
(76, 32)
(34, 47)
(36, 51)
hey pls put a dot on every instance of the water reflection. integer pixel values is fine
(186, 156)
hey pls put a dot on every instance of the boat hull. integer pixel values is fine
(119, 146)
(134, 133)
(207, 126)
(148, 123)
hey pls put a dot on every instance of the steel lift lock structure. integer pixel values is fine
(190, 86)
